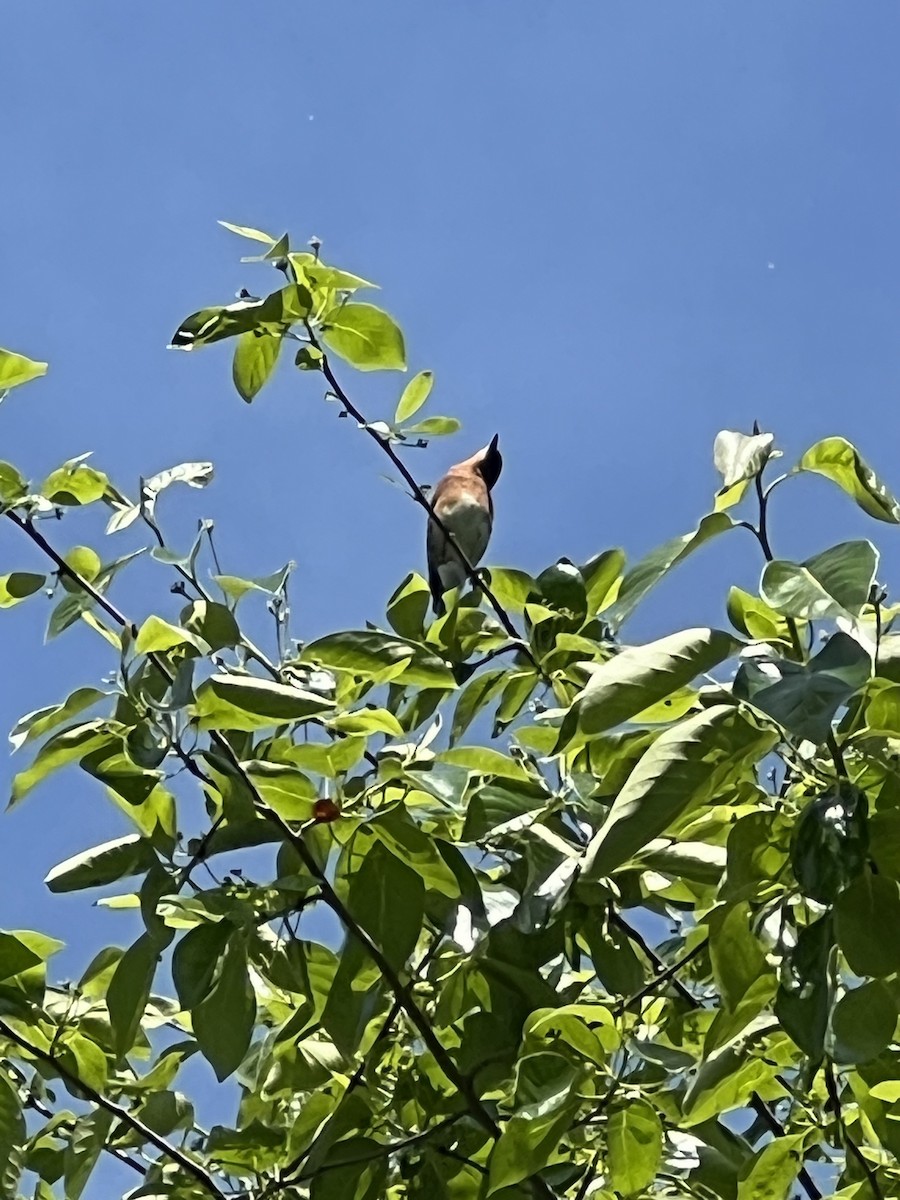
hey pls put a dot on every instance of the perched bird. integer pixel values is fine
(462, 502)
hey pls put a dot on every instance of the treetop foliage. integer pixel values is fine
(617, 919)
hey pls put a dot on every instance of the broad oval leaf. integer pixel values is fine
(634, 1146)
(638, 677)
(253, 703)
(255, 357)
(684, 767)
(380, 656)
(867, 922)
(365, 336)
(834, 583)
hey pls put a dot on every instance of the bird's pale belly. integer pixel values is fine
(470, 525)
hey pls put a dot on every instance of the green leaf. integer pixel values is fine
(19, 586)
(223, 1021)
(838, 460)
(75, 483)
(245, 231)
(512, 588)
(357, 1169)
(241, 702)
(365, 336)
(633, 1146)
(196, 959)
(739, 457)
(129, 991)
(106, 863)
(42, 720)
(13, 486)
(13, 1134)
(804, 697)
(15, 956)
(546, 1100)
(867, 922)
(834, 583)
(639, 676)
(64, 747)
(414, 396)
(380, 656)
(771, 1173)
(863, 1023)
(645, 574)
(212, 622)
(602, 577)
(285, 789)
(156, 636)
(736, 956)
(477, 693)
(255, 356)
(435, 427)
(830, 843)
(754, 618)
(684, 767)
(85, 562)
(407, 608)
(387, 898)
(804, 994)
(16, 369)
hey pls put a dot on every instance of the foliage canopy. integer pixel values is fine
(616, 919)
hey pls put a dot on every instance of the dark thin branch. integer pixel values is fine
(762, 534)
(849, 1145)
(31, 1101)
(384, 1149)
(189, 1165)
(663, 977)
(420, 498)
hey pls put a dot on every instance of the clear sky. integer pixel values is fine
(611, 229)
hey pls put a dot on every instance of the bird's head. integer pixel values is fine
(489, 462)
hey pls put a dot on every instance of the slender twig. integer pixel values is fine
(420, 498)
(589, 1176)
(663, 977)
(171, 1152)
(762, 535)
(384, 1149)
(849, 1145)
(31, 1101)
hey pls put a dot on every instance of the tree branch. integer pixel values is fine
(421, 499)
(189, 1165)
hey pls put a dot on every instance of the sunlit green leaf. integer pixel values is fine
(831, 584)
(639, 676)
(685, 766)
(255, 356)
(16, 369)
(414, 396)
(645, 574)
(106, 863)
(634, 1146)
(19, 586)
(838, 460)
(365, 336)
(223, 1021)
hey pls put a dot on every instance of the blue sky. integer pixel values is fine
(610, 229)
